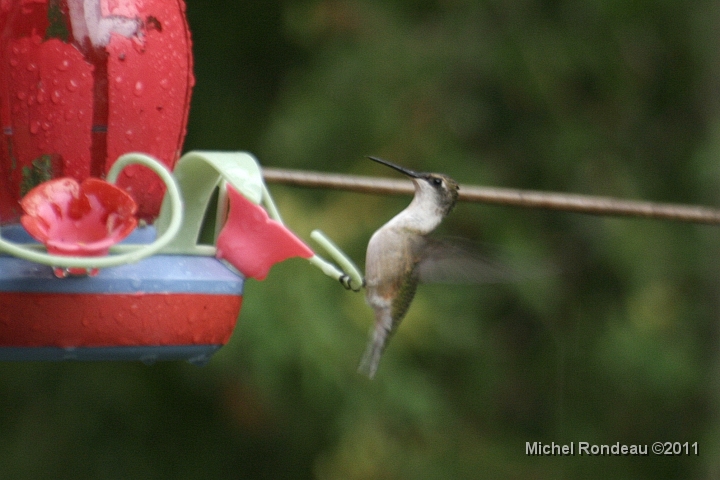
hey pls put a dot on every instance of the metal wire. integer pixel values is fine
(589, 204)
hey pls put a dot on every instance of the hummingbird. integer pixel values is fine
(400, 255)
(395, 256)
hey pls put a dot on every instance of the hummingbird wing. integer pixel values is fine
(457, 261)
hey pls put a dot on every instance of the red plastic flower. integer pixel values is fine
(78, 219)
(252, 242)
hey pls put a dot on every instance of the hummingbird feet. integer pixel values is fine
(346, 281)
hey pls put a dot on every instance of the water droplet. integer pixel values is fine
(72, 85)
(138, 45)
(21, 95)
(31, 100)
(148, 359)
(129, 134)
(139, 88)
(69, 114)
(34, 127)
(14, 62)
(199, 360)
(41, 97)
(164, 83)
(60, 272)
(64, 65)
(46, 126)
(31, 67)
(55, 96)
(69, 353)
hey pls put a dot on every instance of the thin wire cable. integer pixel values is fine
(589, 204)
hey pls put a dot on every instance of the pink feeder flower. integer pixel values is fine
(252, 242)
(78, 219)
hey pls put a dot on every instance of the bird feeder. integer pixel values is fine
(99, 253)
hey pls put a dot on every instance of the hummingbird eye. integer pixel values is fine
(437, 181)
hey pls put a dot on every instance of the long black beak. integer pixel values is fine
(406, 171)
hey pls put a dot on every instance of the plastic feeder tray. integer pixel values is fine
(165, 307)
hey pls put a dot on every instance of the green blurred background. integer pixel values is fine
(620, 345)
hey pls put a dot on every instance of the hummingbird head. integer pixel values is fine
(433, 191)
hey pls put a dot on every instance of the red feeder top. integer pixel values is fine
(85, 81)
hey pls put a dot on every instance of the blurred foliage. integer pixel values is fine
(620, 345)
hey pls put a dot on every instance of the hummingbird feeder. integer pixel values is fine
(99, 252)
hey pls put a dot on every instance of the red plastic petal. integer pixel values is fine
(252, 242)
(149, 94)
(49, 108)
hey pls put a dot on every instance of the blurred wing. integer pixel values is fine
(455, 260)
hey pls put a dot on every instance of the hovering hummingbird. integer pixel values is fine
(400, 255)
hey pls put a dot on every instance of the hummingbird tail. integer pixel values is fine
(371, 358)
(369, 363)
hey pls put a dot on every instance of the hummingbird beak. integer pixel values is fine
(406, 171)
